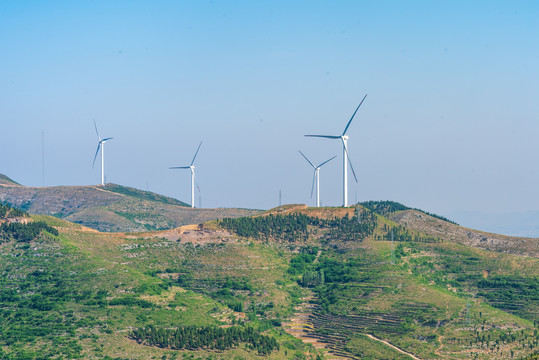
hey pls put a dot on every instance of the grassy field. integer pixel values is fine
(81, 293)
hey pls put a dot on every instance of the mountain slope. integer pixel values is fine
(81, 293)
(111, 207)
(429, 225)
(4, 180)
(442, 228)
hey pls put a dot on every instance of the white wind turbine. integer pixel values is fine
(346, 159)
(101, 144)
(192, 168)
(316, 177)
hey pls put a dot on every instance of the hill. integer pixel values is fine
(429, 225)
(111, 207)
(295, 283)
(445, 229)
(4, 180)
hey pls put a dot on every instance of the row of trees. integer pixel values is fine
(205, 337)
(284, 227)
(356, 227)
(292, 227)
(19, 231)
(313, 278)
(510, 292)
(400, 233)
(6, 211)
(24, 232)
(385, 208)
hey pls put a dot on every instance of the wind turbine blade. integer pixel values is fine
(95, 157)
(196, 153)
(312, 187)
(325, 136)
(307, 159)
(107, 139)
(97, 132)
(350, 161)
(180, 167)
(325, 162)
(354, 114)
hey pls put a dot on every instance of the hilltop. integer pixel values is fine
(4, 180)
(112, 208)
(425, 223)
(290, 283)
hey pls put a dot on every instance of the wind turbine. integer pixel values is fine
(192, 168)
(346, 158)
(316, 177)
(101, 144)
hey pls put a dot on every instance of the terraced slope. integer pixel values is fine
(421, 294)
(81, 293)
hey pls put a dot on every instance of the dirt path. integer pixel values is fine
(108, 191)
(392, 346)
(440, 336)
(317, 256)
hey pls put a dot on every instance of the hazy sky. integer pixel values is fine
(450, 122)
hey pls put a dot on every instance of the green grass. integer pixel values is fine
(369, 349)
(143, 195)
(79, 294)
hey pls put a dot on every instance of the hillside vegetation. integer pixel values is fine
(293, 283)
(111, 208)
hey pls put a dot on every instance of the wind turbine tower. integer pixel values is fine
(346, 157)
(101, 145)
(193, 179)
(316, 177)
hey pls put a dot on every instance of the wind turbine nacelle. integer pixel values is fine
(344, 137)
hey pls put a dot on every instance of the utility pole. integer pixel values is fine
(393, 248)
(468, 306)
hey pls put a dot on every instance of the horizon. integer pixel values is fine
(519, 224)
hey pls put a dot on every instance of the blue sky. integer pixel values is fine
(450, 122)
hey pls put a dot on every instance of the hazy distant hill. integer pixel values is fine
(524, 223)
(109, 208)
